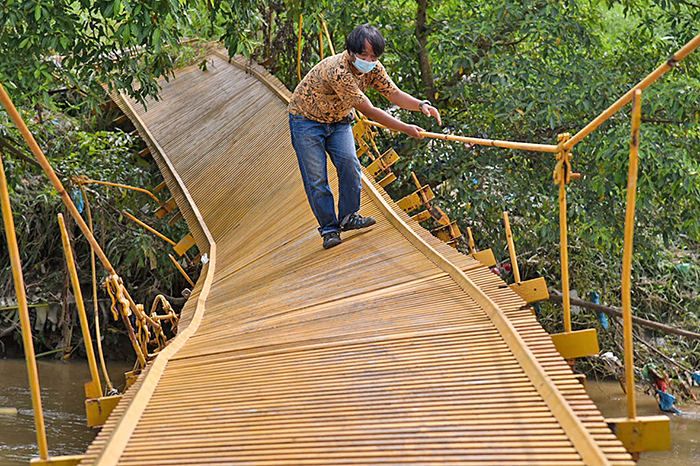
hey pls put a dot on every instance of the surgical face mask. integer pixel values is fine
(364, 66)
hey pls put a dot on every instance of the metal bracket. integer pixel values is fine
(531, 290)
(72, 460)
(578, 344)
(381, 166)
(486, 257)
(99, 409)
(648, 433)
(169, 206)
(184, 244)
(415, 200)
(448, 233)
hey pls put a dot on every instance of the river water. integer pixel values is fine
(67, 433)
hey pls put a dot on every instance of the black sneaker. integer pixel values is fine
(356, 221)
(331, 239)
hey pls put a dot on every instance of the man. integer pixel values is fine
(320, 113)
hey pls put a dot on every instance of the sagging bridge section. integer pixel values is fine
(392, 348)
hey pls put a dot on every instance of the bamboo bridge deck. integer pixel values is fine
(391, 348)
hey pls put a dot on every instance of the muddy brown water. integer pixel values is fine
(67, 433)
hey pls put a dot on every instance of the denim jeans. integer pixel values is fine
(311, 140)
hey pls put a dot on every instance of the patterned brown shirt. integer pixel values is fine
(334, 86)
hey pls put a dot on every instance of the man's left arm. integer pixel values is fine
(409, 102)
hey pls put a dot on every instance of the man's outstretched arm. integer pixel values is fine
(409, 102)
(380, 116)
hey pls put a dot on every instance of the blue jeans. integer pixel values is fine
(311, 140)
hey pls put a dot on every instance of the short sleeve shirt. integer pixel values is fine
(333, 87)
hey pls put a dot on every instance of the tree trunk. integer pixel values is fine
(426, 72)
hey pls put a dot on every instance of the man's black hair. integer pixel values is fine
(355, 41)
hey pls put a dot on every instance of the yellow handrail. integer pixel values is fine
(151, 229)
(95, 385)
(643, 84)
(483, 142)
(18, 278)
(511, 249)
(48, 169)
(627, 253)
(81, 180)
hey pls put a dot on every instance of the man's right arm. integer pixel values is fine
(380, 116)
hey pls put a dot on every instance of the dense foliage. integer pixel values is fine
(523, 71)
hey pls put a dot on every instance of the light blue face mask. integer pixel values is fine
(364, 66)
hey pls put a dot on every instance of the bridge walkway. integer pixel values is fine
(391, 348)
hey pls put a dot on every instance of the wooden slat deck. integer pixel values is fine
(368, 353)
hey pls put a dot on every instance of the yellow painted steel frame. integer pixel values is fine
(577, 344)
(97, 407)
(531, 290)
(149, 228)
(184, 244)
(648, 433)
(72, 460)
(18, 279)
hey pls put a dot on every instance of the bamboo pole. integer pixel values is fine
(18, 278)
(643, 84)
(627, 254)
(151, 229)
(511, 249)
(84, 325)
(46, 166)
(484, 142)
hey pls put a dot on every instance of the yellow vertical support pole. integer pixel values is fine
(562, 176)
(320, 41)
(563, 251)
(328, 36)
(96, 307)
(472, 246)
(94, 388)
(511, 249)
(23, 315)
(627, 254)
(301, 19)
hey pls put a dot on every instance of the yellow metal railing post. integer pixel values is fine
(301, 19)
(96, 307)
(627, 253)
(23, 314)
(643, 84)
(562, 176)
(93, 389)
(511, 249)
